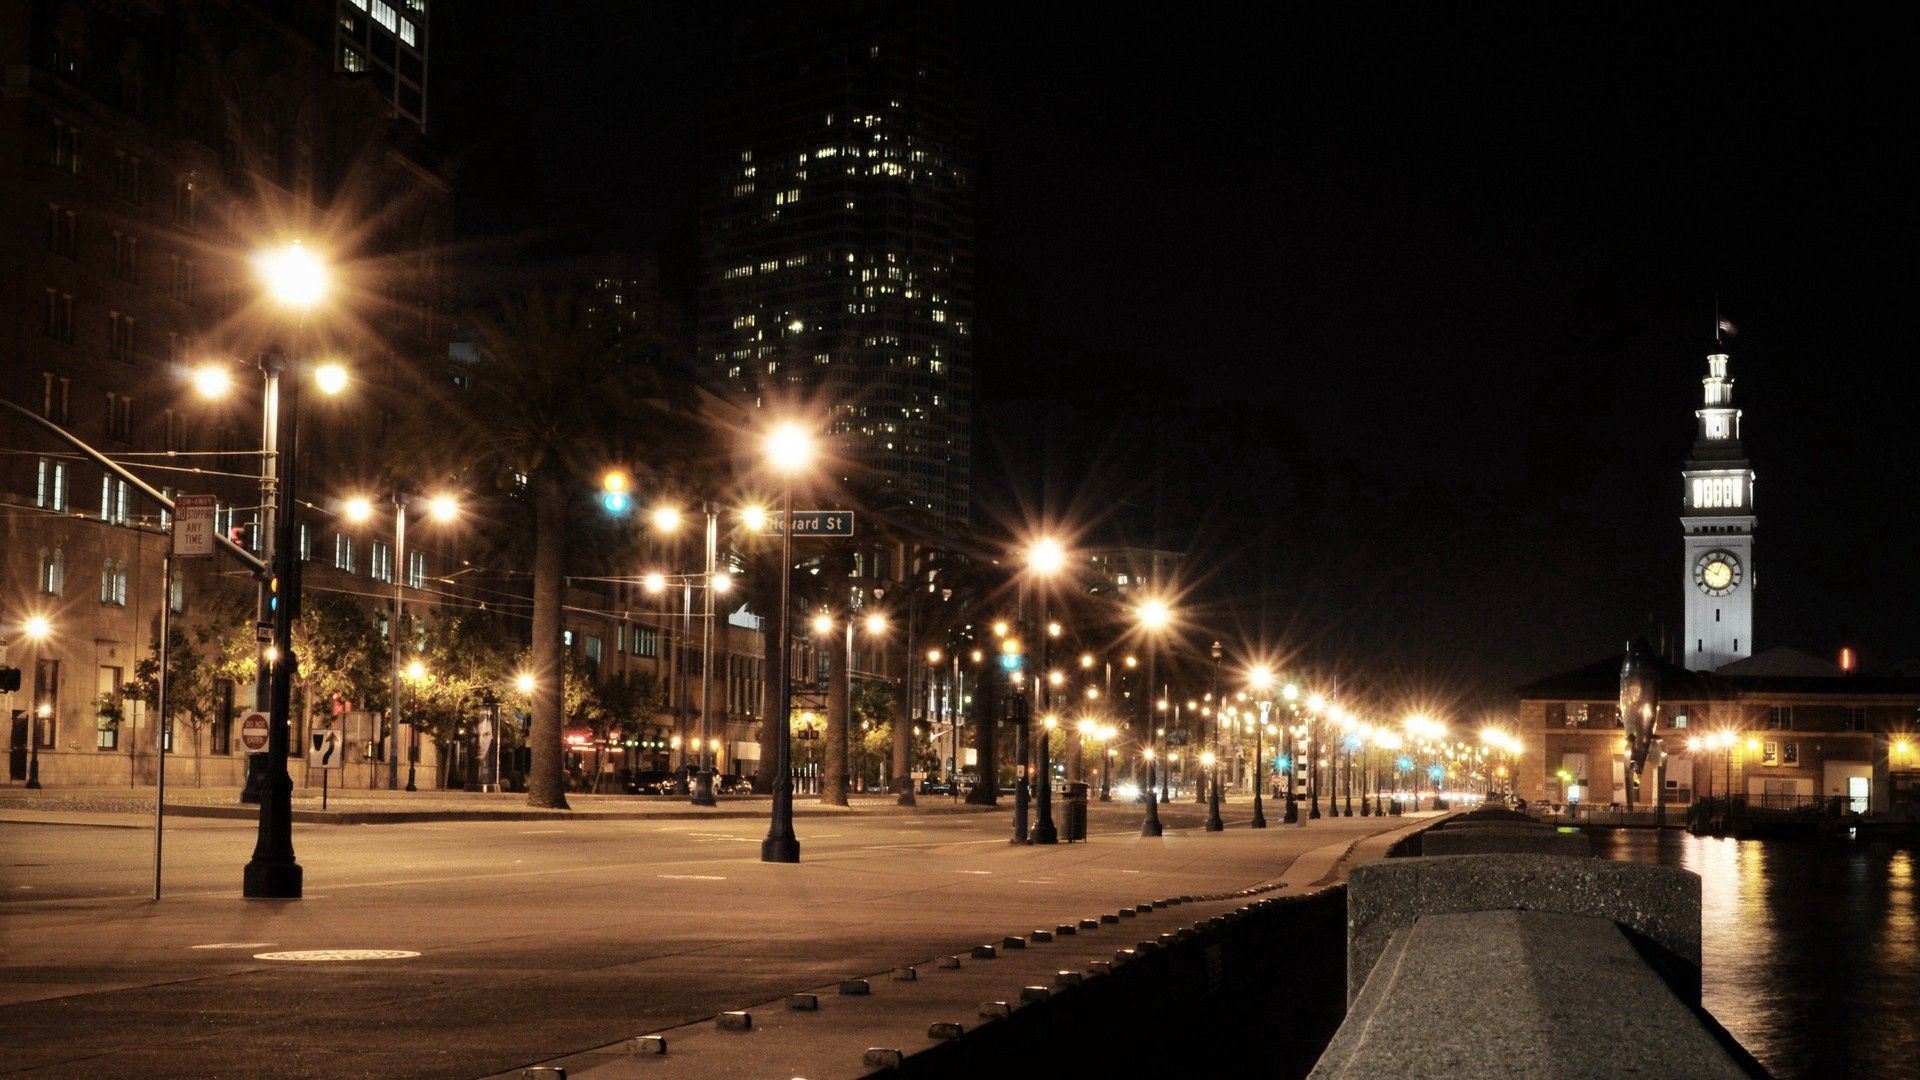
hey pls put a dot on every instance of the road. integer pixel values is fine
(534, 939)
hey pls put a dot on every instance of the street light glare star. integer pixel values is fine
(789, 447)
(294, 276)
(416, 670)
(722, 583)
(876, 624)
(823, 623)
(330, 378)
(37, 628)
(655, 582)
(212, 381)
(523, 682)
(1154, 614)
(754, 518)
(359, 509)
(666, 518)
(442, 508)
(1047, 557)
(1261, 678)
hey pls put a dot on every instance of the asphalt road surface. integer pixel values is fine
(533, 939)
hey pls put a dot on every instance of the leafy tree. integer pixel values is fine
(341, 653)
(204, 656)
(466, 660)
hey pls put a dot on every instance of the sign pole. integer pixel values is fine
(160, 731)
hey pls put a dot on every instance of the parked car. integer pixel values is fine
(650, 782)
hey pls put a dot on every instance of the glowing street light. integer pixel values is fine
(790, 448)
(823, 624)
(665, 518)
(359, 509)
(212, 381)
(655, 582)
(330, 378)
(443, 508)
(754, 518)
(875, 624)
(524, 682)
(1046, 557)
(295, 277)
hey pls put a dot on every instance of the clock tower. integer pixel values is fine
(1716, 521)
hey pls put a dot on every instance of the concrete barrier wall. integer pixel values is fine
(1497, 946)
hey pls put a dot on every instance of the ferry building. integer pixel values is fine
(1778, 726)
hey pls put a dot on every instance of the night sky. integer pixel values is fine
(1393, 316)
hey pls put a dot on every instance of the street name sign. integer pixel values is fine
(193, 525)
(828, 523)
(323, 750)
(253, 731)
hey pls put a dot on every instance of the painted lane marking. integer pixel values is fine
(337, 954)
(237, 945)
(691, 877)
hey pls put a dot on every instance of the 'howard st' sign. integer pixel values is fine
(827, 523)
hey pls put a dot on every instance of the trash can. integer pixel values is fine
(1074, 801)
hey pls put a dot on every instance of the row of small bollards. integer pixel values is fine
(877, 1057)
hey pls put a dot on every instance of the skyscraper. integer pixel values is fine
(837, 237)
(385, 43)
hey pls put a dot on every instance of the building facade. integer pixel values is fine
(1776, 739)
(837, 254)
(150, 150)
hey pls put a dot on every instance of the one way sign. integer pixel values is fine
(323, 750)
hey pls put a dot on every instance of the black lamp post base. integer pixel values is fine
(1214, 824)
(1151, 827)
(1313, 812)
(1292, 816)
(780, 849)
(1045, 833)
(271, 880)
(1259, 813)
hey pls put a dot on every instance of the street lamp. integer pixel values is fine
(1291, 693)
(359, 509)
(1211, 777)
(298, 280)
(1261, 681)
(1153, 616)
(1045, 559)
(37, 629)
(416, 673)
(789, 448)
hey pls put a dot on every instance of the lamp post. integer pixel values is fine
(1291, 694)
(37, 629)
(789, 448)
(359, 509)
(1261, 680)
(1212, 775)
(416, 673)
(298, 281)
(1153, 616)
(1316, 705)
(1045, 559)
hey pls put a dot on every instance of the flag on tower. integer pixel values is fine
(1725, 326)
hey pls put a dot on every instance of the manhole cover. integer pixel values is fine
(337, 954)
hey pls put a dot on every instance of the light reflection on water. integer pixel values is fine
(1812, 948)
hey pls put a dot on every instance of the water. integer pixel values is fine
(1812, 948)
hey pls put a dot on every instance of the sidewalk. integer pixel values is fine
(123, 806)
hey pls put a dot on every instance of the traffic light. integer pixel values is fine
(616, 492)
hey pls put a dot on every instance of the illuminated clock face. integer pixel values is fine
(1717, 573)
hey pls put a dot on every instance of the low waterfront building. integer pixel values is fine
(1782, 729)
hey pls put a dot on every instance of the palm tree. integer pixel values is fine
(553, 400)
